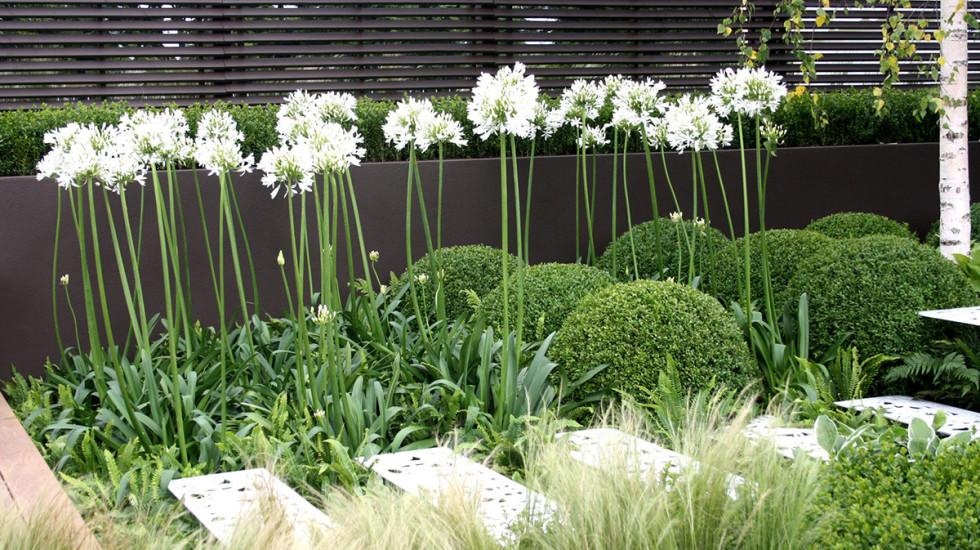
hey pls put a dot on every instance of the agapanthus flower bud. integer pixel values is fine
(281, 259)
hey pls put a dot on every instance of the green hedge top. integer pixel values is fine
(849, 118)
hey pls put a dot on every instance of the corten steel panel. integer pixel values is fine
(898, 181)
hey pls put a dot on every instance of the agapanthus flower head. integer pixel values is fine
(692, 124)
(676, 216)
(637, 103)
(287, 168)
(546, 120)
(337, 107)
(593, 137)
(295, 115)
(656, 132)
(745, 91)
(610, 86)
(438, 128)
(121, 161)
(504, 103)
(76, 155)
(322, 315)
(334, 149)
(160, 137)
(401, 125)
(581, 101)
(217, 146)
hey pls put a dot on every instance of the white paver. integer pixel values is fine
(221, 501)
(788, 441)
(964, 315)
(501, 502)
(600, 447)
(901, 408)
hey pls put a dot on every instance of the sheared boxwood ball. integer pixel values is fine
(672, 248)
(634, 327)
(872, 289)
(787, 249)
(551, 292)
(468, 267)
(852, 225)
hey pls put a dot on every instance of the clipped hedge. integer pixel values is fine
(788, 248)
(551, 292)
(853, 225)
(881, 499)
(872, 288)
(676, 258)
(466, 267)
(634, 327)
(849, 118)
(932, 237)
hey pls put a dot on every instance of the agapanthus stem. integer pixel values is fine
(629, 217)
(614, 188)
(747, 262)
(233, 196)
(504, 284)
(527, 207)
(301, 335)
(91, 320)
(654, 206)
(761, 197)
(55, 277)
(409, 260)
(165, 253)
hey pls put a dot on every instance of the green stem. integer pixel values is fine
(747, 263)
(654, 206)
(527, 206)
(55, 278)
(629, 216)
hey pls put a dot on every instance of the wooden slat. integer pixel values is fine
(250, 51)
(29, 482)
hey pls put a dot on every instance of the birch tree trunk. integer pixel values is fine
(954, 168)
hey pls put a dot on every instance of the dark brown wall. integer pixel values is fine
(898, 181)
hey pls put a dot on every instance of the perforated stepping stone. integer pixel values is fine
(902, 409)
(963, 315)
(222, 501)
(602, 447)
(501, 501)
(788, 441)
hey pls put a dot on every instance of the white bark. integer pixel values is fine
(954, 169)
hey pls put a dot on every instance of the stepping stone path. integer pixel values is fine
(222, 501)
(903, 409)
(963, 315)
(788, 441)
(601, 446)
(501, 501)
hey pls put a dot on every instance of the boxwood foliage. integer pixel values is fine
(872, 288)
(636, 328)
(853, 225)
(787, 249)
(551, 292)
(467, 267)
(842, 117)
(673, 248)
(881, 499)
(932, 237)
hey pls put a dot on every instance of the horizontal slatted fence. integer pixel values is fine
(252, 51)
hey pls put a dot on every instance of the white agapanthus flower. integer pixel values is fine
(593, 137)
(322, 315)
(159, 137)
(745, 91)
(637, 103)
(504, 103)
(76, 155)
(338, 107)
(296, 114)
(287, 168)
(217, 146)
(402, 124)
(656, 132)
(581, 102)
(692, 124)
(121, 161)
(610, 86)
(546, 120)
(334, 149)
(437, 128)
